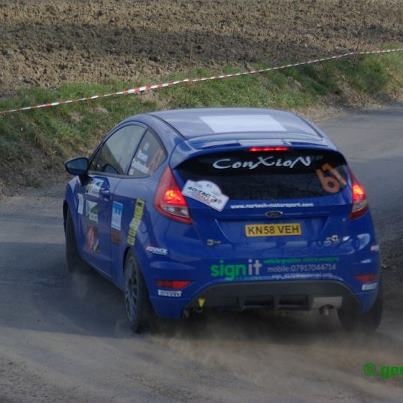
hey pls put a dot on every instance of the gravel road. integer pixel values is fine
(66, 339)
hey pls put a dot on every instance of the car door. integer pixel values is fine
(95, 197)
(131, 199)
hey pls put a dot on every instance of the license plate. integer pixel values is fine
(253, 230)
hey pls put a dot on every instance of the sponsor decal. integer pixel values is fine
(139, 166)
(332, 240)
(232, 271)
(80, 203)
(369, 286)
(94, 187)
(92, 243)
(169, 293)
(307, 264)
(330, 178)
(375, 248)
(135, 222)
(156, 160)
(115, 236)
(213, 242)
(275, 268)
(157, 251)
(302, 276)
(117, 210)
(91, 211)
(273, 214)
(116, 222)
(205, 192)
(142, 156)
(271, 205)
(267, 161)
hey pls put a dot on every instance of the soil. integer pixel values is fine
(50, 42)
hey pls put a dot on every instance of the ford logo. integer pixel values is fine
(274, 214)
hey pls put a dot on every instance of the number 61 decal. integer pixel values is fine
(330, 178)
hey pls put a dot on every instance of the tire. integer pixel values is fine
(139, 312)
(75, 264)
(368, 322)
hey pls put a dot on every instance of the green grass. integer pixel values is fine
(61, 132)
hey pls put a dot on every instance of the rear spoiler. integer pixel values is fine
(188, 149)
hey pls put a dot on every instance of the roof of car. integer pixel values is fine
(197, 122)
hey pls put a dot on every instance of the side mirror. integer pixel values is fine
(77, 166)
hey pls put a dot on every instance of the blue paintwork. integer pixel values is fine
(189, 256)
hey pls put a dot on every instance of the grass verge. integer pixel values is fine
(33, 144)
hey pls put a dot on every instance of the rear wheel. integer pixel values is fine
(74, 261)
(351, 320)
(138, 308)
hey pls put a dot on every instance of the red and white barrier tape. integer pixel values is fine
(151, 87)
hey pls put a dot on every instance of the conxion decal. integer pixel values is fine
(269, 161)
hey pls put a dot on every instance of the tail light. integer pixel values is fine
(360, 202)
(265, 149)
(367, 278)
(173, 284)
(169, 200)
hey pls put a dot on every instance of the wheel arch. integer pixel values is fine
(65, 211)
(126, 251)
(138, 263)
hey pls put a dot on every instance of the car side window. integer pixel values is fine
(149, 156)
(115, 154)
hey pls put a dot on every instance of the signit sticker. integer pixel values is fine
(232, 271)
(80, 206)
(205, 192)
(117, 210)
(91, 211)
(135, 222)
(254, 268)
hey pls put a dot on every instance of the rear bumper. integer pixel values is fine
(299, 295)
(284, 295)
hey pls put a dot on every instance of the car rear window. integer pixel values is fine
(292, 174)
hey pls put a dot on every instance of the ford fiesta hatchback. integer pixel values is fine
(236, 208)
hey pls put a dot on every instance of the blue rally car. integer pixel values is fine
(233, 208)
